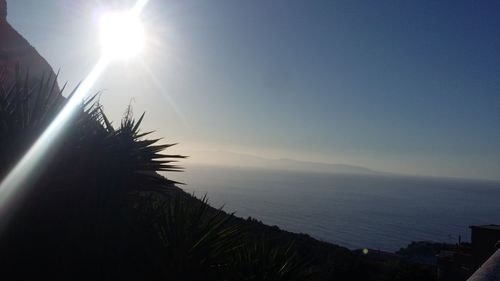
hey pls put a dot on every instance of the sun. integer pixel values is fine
(122, 35)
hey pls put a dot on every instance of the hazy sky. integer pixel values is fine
(402, 86)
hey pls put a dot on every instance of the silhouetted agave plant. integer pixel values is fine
(262, 260)
(99, 211)
(24, 111)
(192, 240)
(78, 192)
(89, 139)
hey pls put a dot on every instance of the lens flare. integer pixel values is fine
(124, 39)
(14, 186)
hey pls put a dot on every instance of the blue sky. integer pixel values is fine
(409, 87)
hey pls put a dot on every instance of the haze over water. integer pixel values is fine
(355, 211)
(408, 87)
(399, 86)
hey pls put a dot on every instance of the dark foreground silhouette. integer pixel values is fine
(97, 210)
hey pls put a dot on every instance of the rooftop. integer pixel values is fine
(486, 226)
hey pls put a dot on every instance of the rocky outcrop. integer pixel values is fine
(18, 57)
(3, 9)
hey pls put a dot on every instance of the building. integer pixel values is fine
(485, 240)
(464, 260)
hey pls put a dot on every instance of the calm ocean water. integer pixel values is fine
(379, 212)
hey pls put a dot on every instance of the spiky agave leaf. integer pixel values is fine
(197, 241)
(91, 156)
(25, 111)
(137, 158)
(264, 260)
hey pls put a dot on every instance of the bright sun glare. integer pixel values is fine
(122, 35)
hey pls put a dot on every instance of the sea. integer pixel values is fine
(355, 211)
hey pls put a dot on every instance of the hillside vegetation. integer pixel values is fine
(97, 209)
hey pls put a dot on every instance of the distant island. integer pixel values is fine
(99, 206)
(228, 158)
